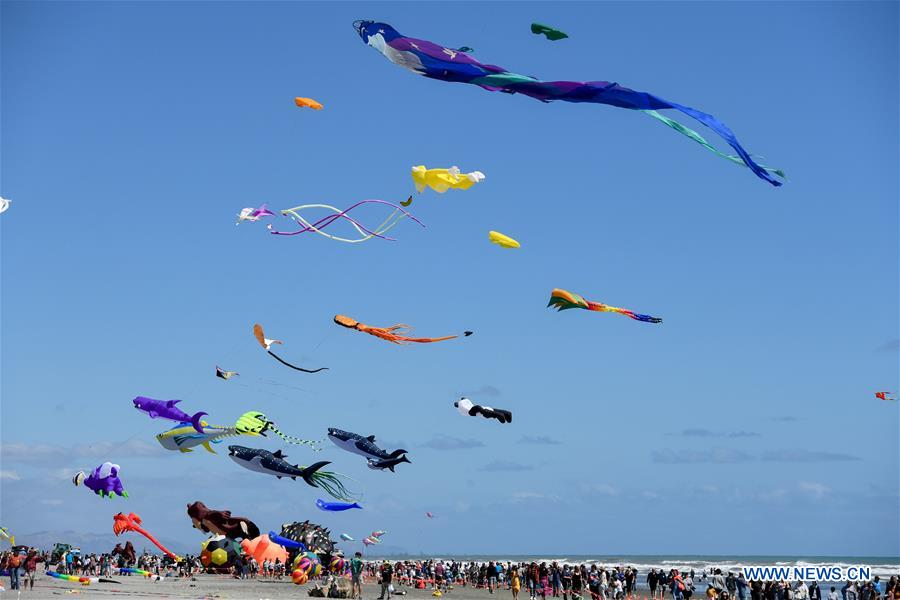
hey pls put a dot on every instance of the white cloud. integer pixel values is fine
(603, 489)
(505, 465)
(539, 440)
(51, 455)
(9, 474)
(446, 442)
(775, 495)
(531, 496)
(712, 455)
(816, 490)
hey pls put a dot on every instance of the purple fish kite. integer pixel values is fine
(104, 481)
(166, 409)
(446, 64)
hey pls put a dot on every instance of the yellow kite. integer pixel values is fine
(504, 241)
(441, 180)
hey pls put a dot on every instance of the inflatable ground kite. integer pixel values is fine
(220, 522)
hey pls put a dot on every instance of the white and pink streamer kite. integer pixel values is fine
(367, 234)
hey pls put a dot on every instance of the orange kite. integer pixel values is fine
(392, 334)
(308, 103)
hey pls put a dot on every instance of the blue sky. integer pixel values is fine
(745, 423)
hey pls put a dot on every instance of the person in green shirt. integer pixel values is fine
(356, 567)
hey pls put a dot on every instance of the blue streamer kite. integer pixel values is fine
(446, 64)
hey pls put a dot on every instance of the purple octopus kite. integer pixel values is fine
(104, 480)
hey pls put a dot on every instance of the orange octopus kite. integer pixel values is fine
(132, 522)
(392, 334)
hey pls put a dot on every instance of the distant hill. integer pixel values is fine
(378, 552)
(101, 542)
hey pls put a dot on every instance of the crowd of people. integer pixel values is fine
(538, 580)
(599, 582)
(21, 564)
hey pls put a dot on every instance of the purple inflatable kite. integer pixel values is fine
(104, 480)
(166, 409)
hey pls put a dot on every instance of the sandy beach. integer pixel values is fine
(213, 586)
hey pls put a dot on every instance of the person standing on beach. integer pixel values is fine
(651, 582)
(13, 564)
(731, 584)
(543, 579)
(576, 583)
(815, 592)
(688, 585)
(555, 579)
(677, 586)
(742, 588)
(718, 582)
(514, 584)
(566, 581)
(356, 568)
(30, 565)
(387, 575)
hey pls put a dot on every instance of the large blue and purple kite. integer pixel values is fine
(446, 64)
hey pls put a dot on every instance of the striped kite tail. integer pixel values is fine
(628, 313)
(315, 445)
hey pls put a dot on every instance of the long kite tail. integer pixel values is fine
(156, 543)
(600, 307)
(315, 445)
(287, 364)
(325, 221)
(726, 134)
(690, 133)
(428, 340)
(367, 234)
(332, 485)
(395, 334)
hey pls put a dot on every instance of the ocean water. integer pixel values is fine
(881, 566)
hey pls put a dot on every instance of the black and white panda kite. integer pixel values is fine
(467, 408)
